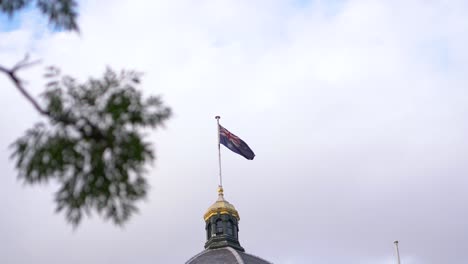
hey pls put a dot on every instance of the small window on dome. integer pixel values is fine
(219, 227)
(208, 231)
(229, 228)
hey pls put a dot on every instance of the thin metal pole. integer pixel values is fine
(219, 155)
(397, 251)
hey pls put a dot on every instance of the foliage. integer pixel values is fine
(93, 145)
(62, 14)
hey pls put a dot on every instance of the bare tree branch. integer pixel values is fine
(24, 63)
(12, 74)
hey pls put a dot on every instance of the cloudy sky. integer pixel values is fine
(357, 111)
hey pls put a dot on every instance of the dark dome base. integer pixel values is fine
(225, 255)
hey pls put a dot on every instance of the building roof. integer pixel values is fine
(225, 255)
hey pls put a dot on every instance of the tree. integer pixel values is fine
(93, 142)
(62, 14)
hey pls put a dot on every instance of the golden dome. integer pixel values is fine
(221, 206)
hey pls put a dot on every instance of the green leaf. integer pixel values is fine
(93, 146)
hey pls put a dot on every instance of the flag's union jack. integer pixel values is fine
(234, 143)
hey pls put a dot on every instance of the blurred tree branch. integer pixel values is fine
(12, 74)
(62, 14)
(92, 143)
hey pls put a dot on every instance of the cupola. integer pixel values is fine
(222, 224)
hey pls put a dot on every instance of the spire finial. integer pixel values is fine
(220, 190)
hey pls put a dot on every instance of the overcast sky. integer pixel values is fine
(357, 112)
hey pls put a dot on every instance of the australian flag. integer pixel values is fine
(235, 144)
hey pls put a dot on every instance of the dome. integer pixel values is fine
(226, 255)
(221, 206)
(222, 236)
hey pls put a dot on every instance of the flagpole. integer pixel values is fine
(219, 155)
(397, 251)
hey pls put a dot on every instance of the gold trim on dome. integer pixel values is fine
(221, 206)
